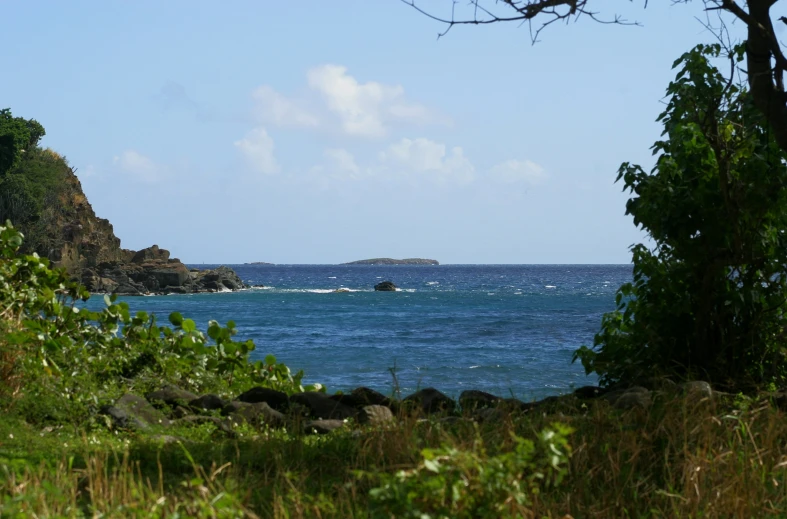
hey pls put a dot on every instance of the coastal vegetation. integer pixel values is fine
(217, 435)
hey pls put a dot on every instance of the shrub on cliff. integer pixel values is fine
(60, 359)
(708, 299)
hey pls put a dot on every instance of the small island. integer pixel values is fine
(391, 261)
(259, 263)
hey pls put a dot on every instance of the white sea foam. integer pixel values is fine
(331, 277)
(550, 286)
(432, 282)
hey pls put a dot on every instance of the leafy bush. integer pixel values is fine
(708, 300)
(453, 483)
(60, 359)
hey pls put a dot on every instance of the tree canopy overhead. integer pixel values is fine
(766, 63)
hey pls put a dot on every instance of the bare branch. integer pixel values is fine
(523, 11)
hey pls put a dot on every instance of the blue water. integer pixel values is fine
(506, 329)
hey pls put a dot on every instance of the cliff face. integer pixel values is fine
(77, 238)
(67, 231)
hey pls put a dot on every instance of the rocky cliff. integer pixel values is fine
(69, 233)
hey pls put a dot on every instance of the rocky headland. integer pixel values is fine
(391, 261)
(71, 236)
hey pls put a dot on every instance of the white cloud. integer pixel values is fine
(139, 166)
(424, 155)
(257, 148)
(273, 107)
(364, 109)
(514, 171)
(337, 98)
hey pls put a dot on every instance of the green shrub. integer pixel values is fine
(452, 483)
(708, 299)
(62, 360)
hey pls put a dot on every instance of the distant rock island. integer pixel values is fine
(259, 263)
(391, 261)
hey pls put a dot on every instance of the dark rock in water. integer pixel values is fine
(171, 396)
(320, 405)
(134, 412)
(221, 279)
(278, 400)
(385, 286)
(375, 415)
(472, 399)
(151, 271)
(208, 402)
(258, 413)
(322, 426)
(430, 401)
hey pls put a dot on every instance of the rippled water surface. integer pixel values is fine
(507, 329)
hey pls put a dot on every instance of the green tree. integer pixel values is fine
(15, 137)
(708, 300)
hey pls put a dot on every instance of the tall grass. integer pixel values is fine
(680, 458)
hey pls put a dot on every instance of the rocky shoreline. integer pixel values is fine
(151, 271)
(320, 413)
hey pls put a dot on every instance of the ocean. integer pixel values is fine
(506, 329)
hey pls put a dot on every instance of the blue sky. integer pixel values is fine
(324, 132)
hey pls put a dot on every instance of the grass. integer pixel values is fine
(680, 458)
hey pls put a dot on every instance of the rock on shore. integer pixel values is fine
(152, 271)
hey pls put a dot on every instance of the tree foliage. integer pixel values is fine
(16, 136)
(708, 299)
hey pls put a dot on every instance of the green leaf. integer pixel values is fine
(189, 326)
(176, 319)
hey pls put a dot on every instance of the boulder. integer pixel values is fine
(430, 401)
(170, 274)
(208, 402)
(152, 253)
(636, 396)
(321, 406)
(371, 397)
(588, 392)
(385, 286)
(171, 396)
(697, 390)
(134, 412)
(375, 415)
(258, 413)
(322, 426)
(472, 399)
(277, 400)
